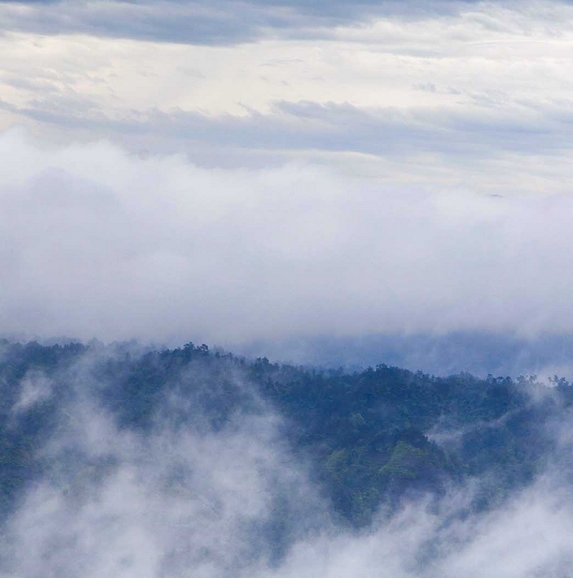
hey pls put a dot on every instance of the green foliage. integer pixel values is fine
(405, 463)
(371, 437)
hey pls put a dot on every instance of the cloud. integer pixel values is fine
(192, 22)
(296, 129)
(220, 22)
(99, 243)
(484, 81)
(530, 537)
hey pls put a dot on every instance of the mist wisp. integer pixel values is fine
(175, 464)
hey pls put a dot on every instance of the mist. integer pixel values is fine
(100, 243)
(480, 353)
(186, 493)
(182, 495)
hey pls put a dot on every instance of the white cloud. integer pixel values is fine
(35, 388)
(98, 243)
(529, 537)
(380, 143)
(496, 60)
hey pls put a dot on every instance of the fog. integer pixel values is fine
(99, 243)
(186, 499)
(480, 353)
(177, 499)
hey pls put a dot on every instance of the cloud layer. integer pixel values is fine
(465, 84)
(343, 170)
(195, 22)
(99, 243)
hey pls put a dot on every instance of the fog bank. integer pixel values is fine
(100, 243)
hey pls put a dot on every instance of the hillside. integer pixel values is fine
(368, 439)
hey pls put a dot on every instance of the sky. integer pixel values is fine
(230, 171)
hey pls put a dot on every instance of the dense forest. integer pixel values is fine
(370, 439)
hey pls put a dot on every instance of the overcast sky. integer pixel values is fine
(225, 171)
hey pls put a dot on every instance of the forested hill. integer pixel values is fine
(369, 439)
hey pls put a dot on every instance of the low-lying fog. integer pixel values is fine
(183, 497)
